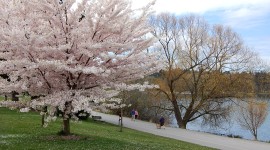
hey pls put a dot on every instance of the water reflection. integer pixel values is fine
(231, 127)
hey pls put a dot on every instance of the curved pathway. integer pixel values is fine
(200, 138)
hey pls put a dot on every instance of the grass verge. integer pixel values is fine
(23, 131)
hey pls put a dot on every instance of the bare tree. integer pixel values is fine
(252, 116)
(202, 62)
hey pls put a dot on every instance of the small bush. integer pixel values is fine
(235, 136)
(82, 115)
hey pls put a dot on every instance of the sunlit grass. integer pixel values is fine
(23, 131)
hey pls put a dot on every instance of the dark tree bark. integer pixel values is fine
(66, 120)
(14, 96)
(66, 127)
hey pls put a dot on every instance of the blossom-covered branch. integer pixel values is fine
(70, 53)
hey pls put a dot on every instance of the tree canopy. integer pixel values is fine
(75, 55)
(205, 65)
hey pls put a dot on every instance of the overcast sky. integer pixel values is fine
(249, 18)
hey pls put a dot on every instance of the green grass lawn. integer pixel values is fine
(23, 131)
(2, 98)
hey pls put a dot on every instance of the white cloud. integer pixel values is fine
(246, 17)
(197, 6)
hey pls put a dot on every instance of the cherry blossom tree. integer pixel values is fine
(73, 55)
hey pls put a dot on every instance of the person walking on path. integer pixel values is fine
(120, 117)
(133, 115)
(161, 122)
(136, 114)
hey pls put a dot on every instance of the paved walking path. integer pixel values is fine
(200, 138)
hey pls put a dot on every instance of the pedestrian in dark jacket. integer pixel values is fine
(132, 115)
(161, 122)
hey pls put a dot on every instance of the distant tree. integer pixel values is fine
(125, 96)
(253, 116)
(76, 54)
(262, 80)
(202, 67)
(144, 102)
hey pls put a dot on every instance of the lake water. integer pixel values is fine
(231, 128)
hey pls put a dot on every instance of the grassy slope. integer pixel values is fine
(23, 131)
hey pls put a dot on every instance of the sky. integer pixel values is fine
(249, 18)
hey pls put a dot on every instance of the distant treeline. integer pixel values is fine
(262, 84)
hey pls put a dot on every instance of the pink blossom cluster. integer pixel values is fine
(74, 55)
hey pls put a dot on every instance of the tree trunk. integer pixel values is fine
(66, 127)
(121, 120)
(183, 125)
(14, 96)
(66, 118)
(177, 114)
(255, 138)
(255, 135)
(44, 110)
(42, 119)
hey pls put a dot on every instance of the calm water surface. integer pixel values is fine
(231, 127)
